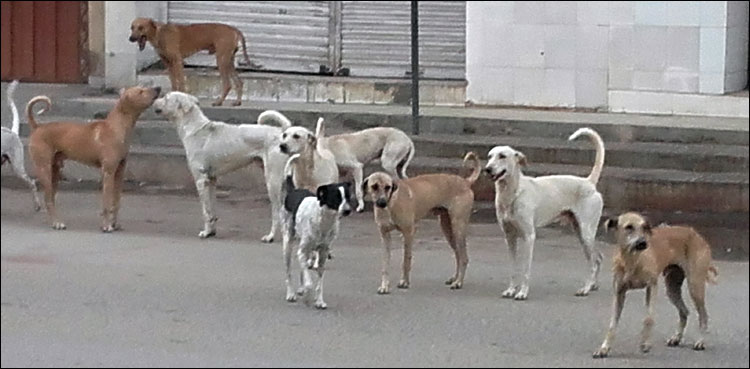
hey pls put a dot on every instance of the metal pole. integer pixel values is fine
(414, 67)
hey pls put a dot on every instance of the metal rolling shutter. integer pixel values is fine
(376, 38)
(281, 35)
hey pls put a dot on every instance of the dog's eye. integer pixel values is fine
(387, 188)
(140, 28)
(283, 135)
(374, 187)
(296, 137)
(629, 227)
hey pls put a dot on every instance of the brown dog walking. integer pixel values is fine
(643, 252)
(175, 42)
(101, 144)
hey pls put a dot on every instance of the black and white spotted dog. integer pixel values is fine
(313, 219)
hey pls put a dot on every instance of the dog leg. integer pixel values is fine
(47, 172)
(447, 228)
(202, 184)
(648, 322)
(18, 167)
(697, 288)
(119, 178)
(617, 306)
(512, 240)
(673, 279)
(587, 215)
(303, 257)
(527, 250)
(179, 73)
(357, 174)
(459, 215)
(238, 85)
(319, 303)
(273, 166)
(224, 71)
(406, 265)
(286, 238)
(386, 261)
(108, 196)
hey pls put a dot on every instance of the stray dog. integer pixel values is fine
(315, 165)
(175, 42)
(102, 144)
(642, 254)
(12, 148)
(215, 148)
(354, 150)
(399, 204)
(524, 203)
(313, 218)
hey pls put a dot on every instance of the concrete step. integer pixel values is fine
(691, 157)
(656, 189)
(459, 121)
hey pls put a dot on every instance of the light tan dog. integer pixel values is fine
(642, 254)
(175, 42)
(400, 204)
(102, 144)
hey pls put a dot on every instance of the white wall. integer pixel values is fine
(573, 53)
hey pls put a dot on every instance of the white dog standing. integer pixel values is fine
(313, 218)
(315, 165)
(524, 203)
(12, 148)
(216, 148)
(354, 150)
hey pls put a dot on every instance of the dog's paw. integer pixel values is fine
(267, 238)
(520, 296)
(450, 281)
(403, 284)
(645, 347)
(601, 353)
(674, 341)
(582, 292)
(360, 208)
(456, 285)
(217, 103)
(59, 226)
(509, 293)
(699, 346)
(37, 208)
(237, 103)
(291, 298)
(382, 290)
(207, 234)
(320, 305)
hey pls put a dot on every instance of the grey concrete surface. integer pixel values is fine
(155, 295)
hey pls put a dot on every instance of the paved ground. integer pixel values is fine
(156, 295)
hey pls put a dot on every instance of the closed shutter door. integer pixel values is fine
(376, 38)
(280, 35)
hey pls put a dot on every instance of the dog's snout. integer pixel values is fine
(641, 244)
(381, 203)
(157, 89)
(158, 110)
(284, 148)
(488, 170)
(347, 212)
(133, 39)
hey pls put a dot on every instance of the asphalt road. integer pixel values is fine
(156, 295)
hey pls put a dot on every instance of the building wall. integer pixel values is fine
(573, 53)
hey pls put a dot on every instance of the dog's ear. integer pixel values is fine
(521, 159)
(152, 24)
(121, 92)
(647, 226)
(312, 140)
(364, 185)
(321, 194)
(186, 103)
(610, 223)
(394, 188)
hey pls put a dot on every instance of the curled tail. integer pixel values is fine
(477, 167)
(713, 275)
(596, 172)
(401, 167)
(288, 175)
(30, 105)
(273, 115)
(16, 120)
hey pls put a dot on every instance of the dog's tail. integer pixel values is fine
(16, 120)
(596, 172)
(289, 179)
(401, 167)
(713, 275)
(30, 115)
(477, 167)
(244, 52)
(275, 116)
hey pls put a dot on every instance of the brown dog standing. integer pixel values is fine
(102, 144)
(642, 254)
(399, 204)
(175, 42)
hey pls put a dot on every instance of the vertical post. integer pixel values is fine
(414, 67)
